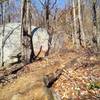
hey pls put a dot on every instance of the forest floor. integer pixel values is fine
(80, 79)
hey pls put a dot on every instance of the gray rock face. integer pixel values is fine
(13, 44)
(57, 43)
(40, 40)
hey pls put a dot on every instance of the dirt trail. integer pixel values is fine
(29, 84)
(32, 74)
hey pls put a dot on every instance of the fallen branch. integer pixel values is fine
(51, 78)
(10, 70)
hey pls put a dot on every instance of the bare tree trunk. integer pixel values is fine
(81, 24)
(30, 52)
(1, 13)
(9, 19)
(2, 47)
(95, 26)
(47, 13)
(48, 6)
(22, 28)
(28, 17)
(25, 32)
(75, 35)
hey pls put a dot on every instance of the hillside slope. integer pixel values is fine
(80, 78)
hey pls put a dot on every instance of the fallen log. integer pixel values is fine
(10, 70)
(51, 78)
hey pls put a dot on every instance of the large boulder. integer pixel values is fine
(12, 45)
(40, 38)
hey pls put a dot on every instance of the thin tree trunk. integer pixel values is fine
(30, 53)
(95, 26)
(22, 16)
(24, 31)
(2, 47)
(9, 19)
(74, 26)
(1, 13)
(81, 24)
(47, 12)
(75, 35)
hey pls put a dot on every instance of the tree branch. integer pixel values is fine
(8, 35)
(53, 4)
(43, 4)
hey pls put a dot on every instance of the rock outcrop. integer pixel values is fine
(12, 42)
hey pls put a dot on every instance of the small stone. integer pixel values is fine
(16, 97)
